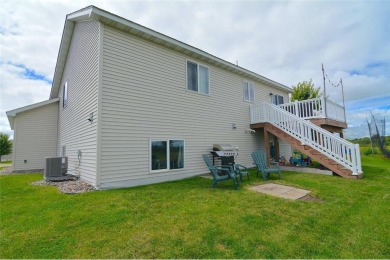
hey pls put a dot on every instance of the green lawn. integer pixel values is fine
(5, 164)
(188, 219)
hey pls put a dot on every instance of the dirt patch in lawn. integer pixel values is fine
(311, 198)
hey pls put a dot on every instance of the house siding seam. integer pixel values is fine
(82, 73)
(144, 97)
(36, 135)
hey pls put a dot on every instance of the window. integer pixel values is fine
(249, 91)
(167, 155)
(277, 100)
(197, 78)
(63, 152)
(65, 95)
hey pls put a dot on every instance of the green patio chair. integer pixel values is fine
(241, 170)
(261, 163)
(227, 170)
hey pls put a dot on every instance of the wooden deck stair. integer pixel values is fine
(312, 152)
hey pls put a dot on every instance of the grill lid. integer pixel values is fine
(223, 147)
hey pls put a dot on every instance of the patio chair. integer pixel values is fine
(241, 170)
(227, 170)
(261, 163)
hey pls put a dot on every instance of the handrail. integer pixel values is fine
(336, 148)
(315, 108)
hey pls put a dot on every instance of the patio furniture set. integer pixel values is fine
(236, 171)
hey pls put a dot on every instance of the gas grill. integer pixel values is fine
(226, 153)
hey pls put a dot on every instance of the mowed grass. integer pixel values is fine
(188, 219)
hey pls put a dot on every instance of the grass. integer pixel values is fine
(187, 219)
(5, 164)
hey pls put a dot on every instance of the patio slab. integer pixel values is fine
(280, 191)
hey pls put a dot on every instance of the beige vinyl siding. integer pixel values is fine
(35, 137)
(285, 149)
(81, 73)
(144, 97)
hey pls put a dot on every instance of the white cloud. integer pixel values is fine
(284, 41)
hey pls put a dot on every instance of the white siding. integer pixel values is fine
(35, 137)
(144, 96)
(81, 72)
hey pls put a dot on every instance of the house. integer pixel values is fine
(130, 106)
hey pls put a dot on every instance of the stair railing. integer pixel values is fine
(334, 147)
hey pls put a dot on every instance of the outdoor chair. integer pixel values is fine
(261, 163)
(227, 170)
(241, 170)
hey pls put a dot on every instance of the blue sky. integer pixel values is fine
(286, 41)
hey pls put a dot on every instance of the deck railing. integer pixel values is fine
(315, 108)
(335, 111)
(336, 148)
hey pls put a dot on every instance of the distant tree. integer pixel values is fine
(305, 90)
(5, 145)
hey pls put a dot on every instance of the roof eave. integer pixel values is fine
(92, 12)
(12, 113)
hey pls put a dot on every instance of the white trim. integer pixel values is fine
(99, 108)
(168, 169)
(197, 67)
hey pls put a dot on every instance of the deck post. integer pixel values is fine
(266, 144)
(276, 146)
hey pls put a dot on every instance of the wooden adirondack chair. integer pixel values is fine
(230, 175)
(261, 163)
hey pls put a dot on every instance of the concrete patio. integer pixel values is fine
(280, 191)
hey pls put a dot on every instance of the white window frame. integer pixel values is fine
(250, 84)
(168, 169)
(276, 97)
(65, 94)
(197, 67)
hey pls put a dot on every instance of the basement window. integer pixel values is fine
(166, 155)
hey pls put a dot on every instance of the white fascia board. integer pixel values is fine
(12, 113)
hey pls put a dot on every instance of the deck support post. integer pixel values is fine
(276, 146)
(266, 144)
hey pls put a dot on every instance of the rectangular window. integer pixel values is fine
(277, 100)
(249, 91)
(167, 155)
(197, 78)
(176, 154)
(63, 152)
(65, 95)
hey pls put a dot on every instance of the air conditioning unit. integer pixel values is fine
(56, 168)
